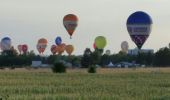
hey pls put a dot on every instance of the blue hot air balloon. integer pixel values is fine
(58, 40)
(6, 43)
(139, 26)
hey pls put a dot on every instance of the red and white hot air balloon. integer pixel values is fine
(24, 48)
(20, 48)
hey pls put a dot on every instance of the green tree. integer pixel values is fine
(96, 57)
(59, 67)
(105, 60)
(121, 56)
(86, 59)
(162, 57)
(76, 61)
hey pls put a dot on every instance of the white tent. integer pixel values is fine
(110, 64)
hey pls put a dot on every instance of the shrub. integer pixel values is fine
(12, 67)
(92, 69)
(59, 67)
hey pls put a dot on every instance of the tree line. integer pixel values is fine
(160, 58)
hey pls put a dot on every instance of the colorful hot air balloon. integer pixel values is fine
(69, 49)
(70, 22)
(124, 46)
(24, 48)
(39, 48)
(6, 43)
(42, 41)
(54, 49)
(42, 44)
(139, 26)
(100, 42)
(20, 48)
(61, 48)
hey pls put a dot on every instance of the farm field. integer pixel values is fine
(77, 84)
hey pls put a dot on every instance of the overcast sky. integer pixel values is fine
(25, 21)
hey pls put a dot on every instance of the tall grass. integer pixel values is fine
(79, 85)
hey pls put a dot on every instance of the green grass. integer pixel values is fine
(83, 86)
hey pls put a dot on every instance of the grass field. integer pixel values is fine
(77, 84)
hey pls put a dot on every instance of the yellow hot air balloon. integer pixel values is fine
(20, 48)
(100, 42)
(69, 49)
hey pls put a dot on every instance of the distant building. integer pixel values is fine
(136, 51)
(110, 65)
(36, 63)
(40, 62)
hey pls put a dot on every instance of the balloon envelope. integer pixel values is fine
(6, 43)
(41, 48)
(54, 49)
(94, 45)
(58, 40)
(70, 22)
(24, 48)
(100, 42)
(61, 48)
(139, 27)
(20, 48)
(42, 44)
(69, 49)
(108, 52)
(42, 41)
(124, 46)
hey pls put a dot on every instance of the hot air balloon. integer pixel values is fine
(69, 49)
(54, 49)
(58, 40)
(38, 48)
(42, 44)
(139, 26)
(70, 22)
(24, 48)
(20, 48)
(94, 45)
(6, 43)
(41, 48)
(61, 48)
(108, 52)
(42, 41)
(124, 46)
(100, 42)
